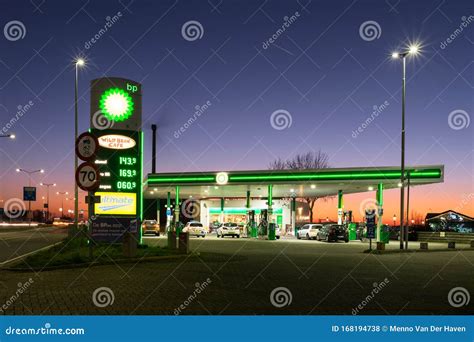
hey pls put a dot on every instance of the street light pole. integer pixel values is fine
(411, 51)
(47, 185)
(29, 173)
(79, 62)
(402, 177)
(62, 200)
(11, 136)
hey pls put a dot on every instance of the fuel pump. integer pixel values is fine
(350, 226)
(251, 225)
(263, 225)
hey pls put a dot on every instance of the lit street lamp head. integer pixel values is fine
(80, 62)
(12, 136)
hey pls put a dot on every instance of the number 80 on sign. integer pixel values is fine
(87, 177)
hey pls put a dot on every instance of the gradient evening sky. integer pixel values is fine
(320, 70)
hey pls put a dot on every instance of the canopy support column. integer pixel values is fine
(379, 199)
(340, 207)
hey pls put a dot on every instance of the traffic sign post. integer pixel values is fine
(86, 146)
(87, 177)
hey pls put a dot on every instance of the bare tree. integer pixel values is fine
(304, 161)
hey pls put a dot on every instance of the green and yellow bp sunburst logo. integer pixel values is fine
(116, 104)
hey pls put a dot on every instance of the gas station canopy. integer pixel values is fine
(287, 183)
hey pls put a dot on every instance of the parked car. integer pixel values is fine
(277, 232)
(332, 232)
(195, 228)
(150, 226)
(395, 233)
(228, 229)
(308, 231)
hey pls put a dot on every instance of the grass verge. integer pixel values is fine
(75, 251)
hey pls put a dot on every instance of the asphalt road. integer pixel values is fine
(238, 276)
(18, 241)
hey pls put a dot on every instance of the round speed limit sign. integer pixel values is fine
(87, 176)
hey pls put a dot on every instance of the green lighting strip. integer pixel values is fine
(141, 137)
(298, 176)
(183, 179)
(342, 175)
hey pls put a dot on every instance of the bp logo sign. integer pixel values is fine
(116, 104)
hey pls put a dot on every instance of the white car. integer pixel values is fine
(277, 232)
(309, 231)
(229, 229)
(195, 228)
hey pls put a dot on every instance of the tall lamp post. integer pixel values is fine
(412, 50)
(29, 173)
(79, 63)
(63, 193)
(47, 185)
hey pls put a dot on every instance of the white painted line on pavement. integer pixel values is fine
(3, 263)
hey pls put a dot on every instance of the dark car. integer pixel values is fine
(332, 232)
(395, 233)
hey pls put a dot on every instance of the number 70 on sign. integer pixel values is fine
(87, 177)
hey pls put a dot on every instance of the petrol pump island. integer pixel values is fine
(120, 197)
